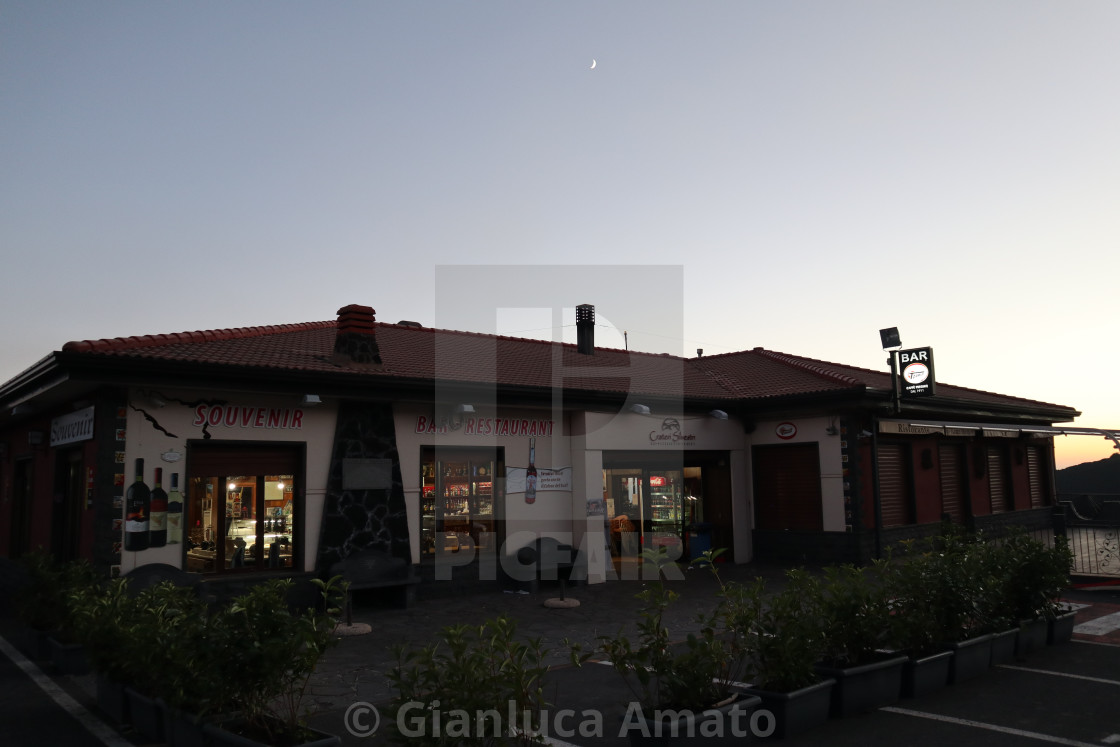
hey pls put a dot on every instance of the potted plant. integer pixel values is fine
(855, 617)
(1060, 617)
(102, 627)
(682, 689)
(783, 638)
(1033, 577)
(38, 603)
(481, 669)
(48, 602)
(268, 654)
(941, 600)
(914, 625)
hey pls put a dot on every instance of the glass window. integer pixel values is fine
(460, 503)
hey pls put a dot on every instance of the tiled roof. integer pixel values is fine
(423, 354)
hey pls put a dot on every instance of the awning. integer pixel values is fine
(992, 430)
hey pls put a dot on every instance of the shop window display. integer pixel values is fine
(459, 497)
(241, 522)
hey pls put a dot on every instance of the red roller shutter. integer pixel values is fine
(1035, 479)
(952, 492)
(787, 487)
(997, 480)
(894, 486)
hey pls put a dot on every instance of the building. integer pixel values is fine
(286, 448)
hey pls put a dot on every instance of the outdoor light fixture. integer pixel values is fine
(890, 337)
(718, 414)
(464, 409)
(311, 400)
(640, 409)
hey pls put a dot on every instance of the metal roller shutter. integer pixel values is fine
(952, 492)
(997, 481)
(1034, 477)
(787, 487)
(894, 486)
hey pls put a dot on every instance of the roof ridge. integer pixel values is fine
(811, 365)
(537, 340)
(175, 338)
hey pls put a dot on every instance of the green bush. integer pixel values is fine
(783, 631)
(854, 615)
(470, 670)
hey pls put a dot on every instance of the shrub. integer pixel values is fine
(471, 670)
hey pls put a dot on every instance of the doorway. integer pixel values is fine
(651, 508)
(67, 502)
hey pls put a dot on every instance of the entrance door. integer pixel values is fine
(21, 509)
(648, 508)
(461, 508)
(787, 487)
(68, 499)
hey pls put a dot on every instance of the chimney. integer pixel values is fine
(585, 329)
(355, 340)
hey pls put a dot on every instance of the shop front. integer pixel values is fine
(480, 486)
(667, 482)
(223, 484)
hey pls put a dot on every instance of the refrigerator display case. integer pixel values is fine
(457, 505)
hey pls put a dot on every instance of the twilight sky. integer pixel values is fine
(791, 175)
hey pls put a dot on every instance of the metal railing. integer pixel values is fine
(1092, 525)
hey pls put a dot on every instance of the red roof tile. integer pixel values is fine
(424, 354)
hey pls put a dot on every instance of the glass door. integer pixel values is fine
(646, 508)
(458, 506)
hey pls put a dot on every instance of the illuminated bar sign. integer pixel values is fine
(916, 373)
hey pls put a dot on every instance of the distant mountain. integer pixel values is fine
(1091, 477)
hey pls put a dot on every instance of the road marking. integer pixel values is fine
(1059, 674)
(990, 727)
(1100, 626)
(94, 725)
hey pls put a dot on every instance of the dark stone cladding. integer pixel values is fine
(355, 520)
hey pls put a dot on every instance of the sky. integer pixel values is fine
(788, 175)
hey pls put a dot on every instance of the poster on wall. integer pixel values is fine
(547, 479)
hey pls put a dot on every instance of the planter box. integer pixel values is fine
(146, 714)
(111, 699)
(225, 734)
(865, 687)
(971, 658)
(1003, 646)
(69, 658)
(1060, 629)
(799, 710)
(182, 729)
(927, 674)
(36, 643)
(1032, 636)
(728, 725)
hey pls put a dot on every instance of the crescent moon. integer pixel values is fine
(593, 64)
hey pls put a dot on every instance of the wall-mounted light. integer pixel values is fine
(311, 400)
(464, 409)
(640, 409)
(718, 414)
